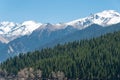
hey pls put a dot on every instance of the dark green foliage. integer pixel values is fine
(98, 58)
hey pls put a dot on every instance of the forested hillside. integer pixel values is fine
(97, 58)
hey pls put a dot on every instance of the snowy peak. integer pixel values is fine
(30, 26)
(5, 27)
(52, 27)
(105, 18)
(109, 13)
(11, 31)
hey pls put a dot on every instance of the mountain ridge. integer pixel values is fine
(48, 35)
(11, 30)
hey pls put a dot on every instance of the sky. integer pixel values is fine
(53, 11)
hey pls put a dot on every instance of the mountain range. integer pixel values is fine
(18, 38)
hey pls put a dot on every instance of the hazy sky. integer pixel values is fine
(53, 11)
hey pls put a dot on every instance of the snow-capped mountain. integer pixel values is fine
(10, 31)
(30, 35)
(105, 18)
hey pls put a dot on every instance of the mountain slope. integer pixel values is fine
(30, 36)
(3, 40)
(42, 39)
(97, 58)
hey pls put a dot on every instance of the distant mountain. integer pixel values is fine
(105, 18)
(30, 36)
(10, 31)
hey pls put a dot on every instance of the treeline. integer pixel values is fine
(97, 58)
